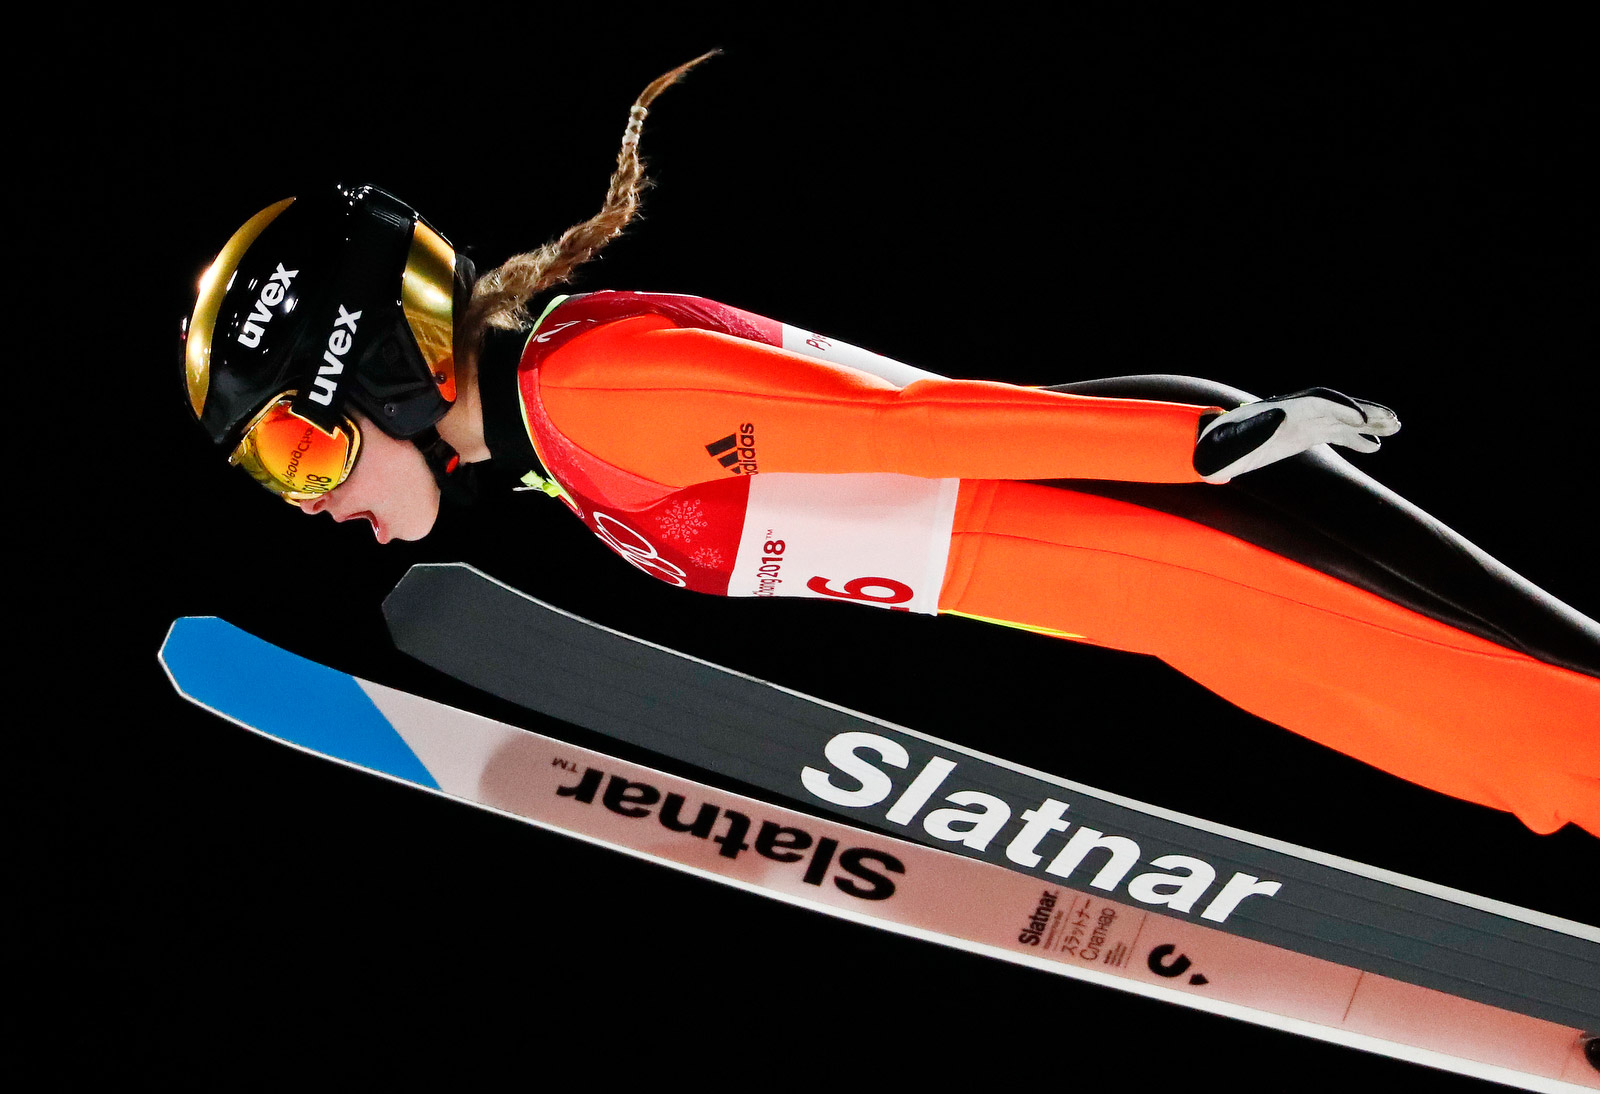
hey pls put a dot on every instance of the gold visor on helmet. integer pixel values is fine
(214, 285)
(292, 457)
(427, 296)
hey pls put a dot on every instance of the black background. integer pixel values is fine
(1392, 205)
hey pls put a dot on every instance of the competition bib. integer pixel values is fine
(874, 539)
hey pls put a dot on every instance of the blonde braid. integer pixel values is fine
(499, 297)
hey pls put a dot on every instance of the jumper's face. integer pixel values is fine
(390, 487)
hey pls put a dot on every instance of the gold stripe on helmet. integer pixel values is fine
(427, 294)
(214, 285)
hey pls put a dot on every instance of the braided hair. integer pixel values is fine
(499, 297)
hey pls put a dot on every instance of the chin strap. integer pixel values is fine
(464, 484)
(458, 484)
(513, 464)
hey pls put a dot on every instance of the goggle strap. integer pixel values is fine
(376, 242)
(325, 417)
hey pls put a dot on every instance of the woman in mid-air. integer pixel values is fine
(350, 361)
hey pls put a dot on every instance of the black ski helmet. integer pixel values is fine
(345, 298)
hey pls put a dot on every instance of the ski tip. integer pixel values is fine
(423, 574)
(425, 580)
(262, 687)
(182, 630)
(202, 653)
(422, 569)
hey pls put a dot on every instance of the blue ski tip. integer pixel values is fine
(233, 673)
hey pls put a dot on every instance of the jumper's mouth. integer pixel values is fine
(379, 533)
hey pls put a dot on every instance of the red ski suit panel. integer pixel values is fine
(622, 410)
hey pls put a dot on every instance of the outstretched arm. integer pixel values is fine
(649, 396)
(653, 397)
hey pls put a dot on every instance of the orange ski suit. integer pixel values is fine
(626, 398)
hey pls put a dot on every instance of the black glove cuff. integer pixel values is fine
(1233, 441)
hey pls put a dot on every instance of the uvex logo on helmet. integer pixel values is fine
(339, 343)
(271, 296)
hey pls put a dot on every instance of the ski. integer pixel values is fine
(851, 873)
(916, 787)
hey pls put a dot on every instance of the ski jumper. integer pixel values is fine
(727, 453)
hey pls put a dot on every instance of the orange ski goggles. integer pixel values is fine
(295, 458)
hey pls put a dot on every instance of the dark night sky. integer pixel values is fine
(1392, 207)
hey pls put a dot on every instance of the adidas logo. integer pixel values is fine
(736, 451)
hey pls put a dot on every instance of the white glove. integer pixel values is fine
(1270, 430)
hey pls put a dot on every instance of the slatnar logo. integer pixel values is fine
(1030, 838)
(861, 872)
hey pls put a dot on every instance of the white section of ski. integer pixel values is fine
(456, 761)
(1390, 877)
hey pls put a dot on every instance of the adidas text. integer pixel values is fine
(737, 451)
